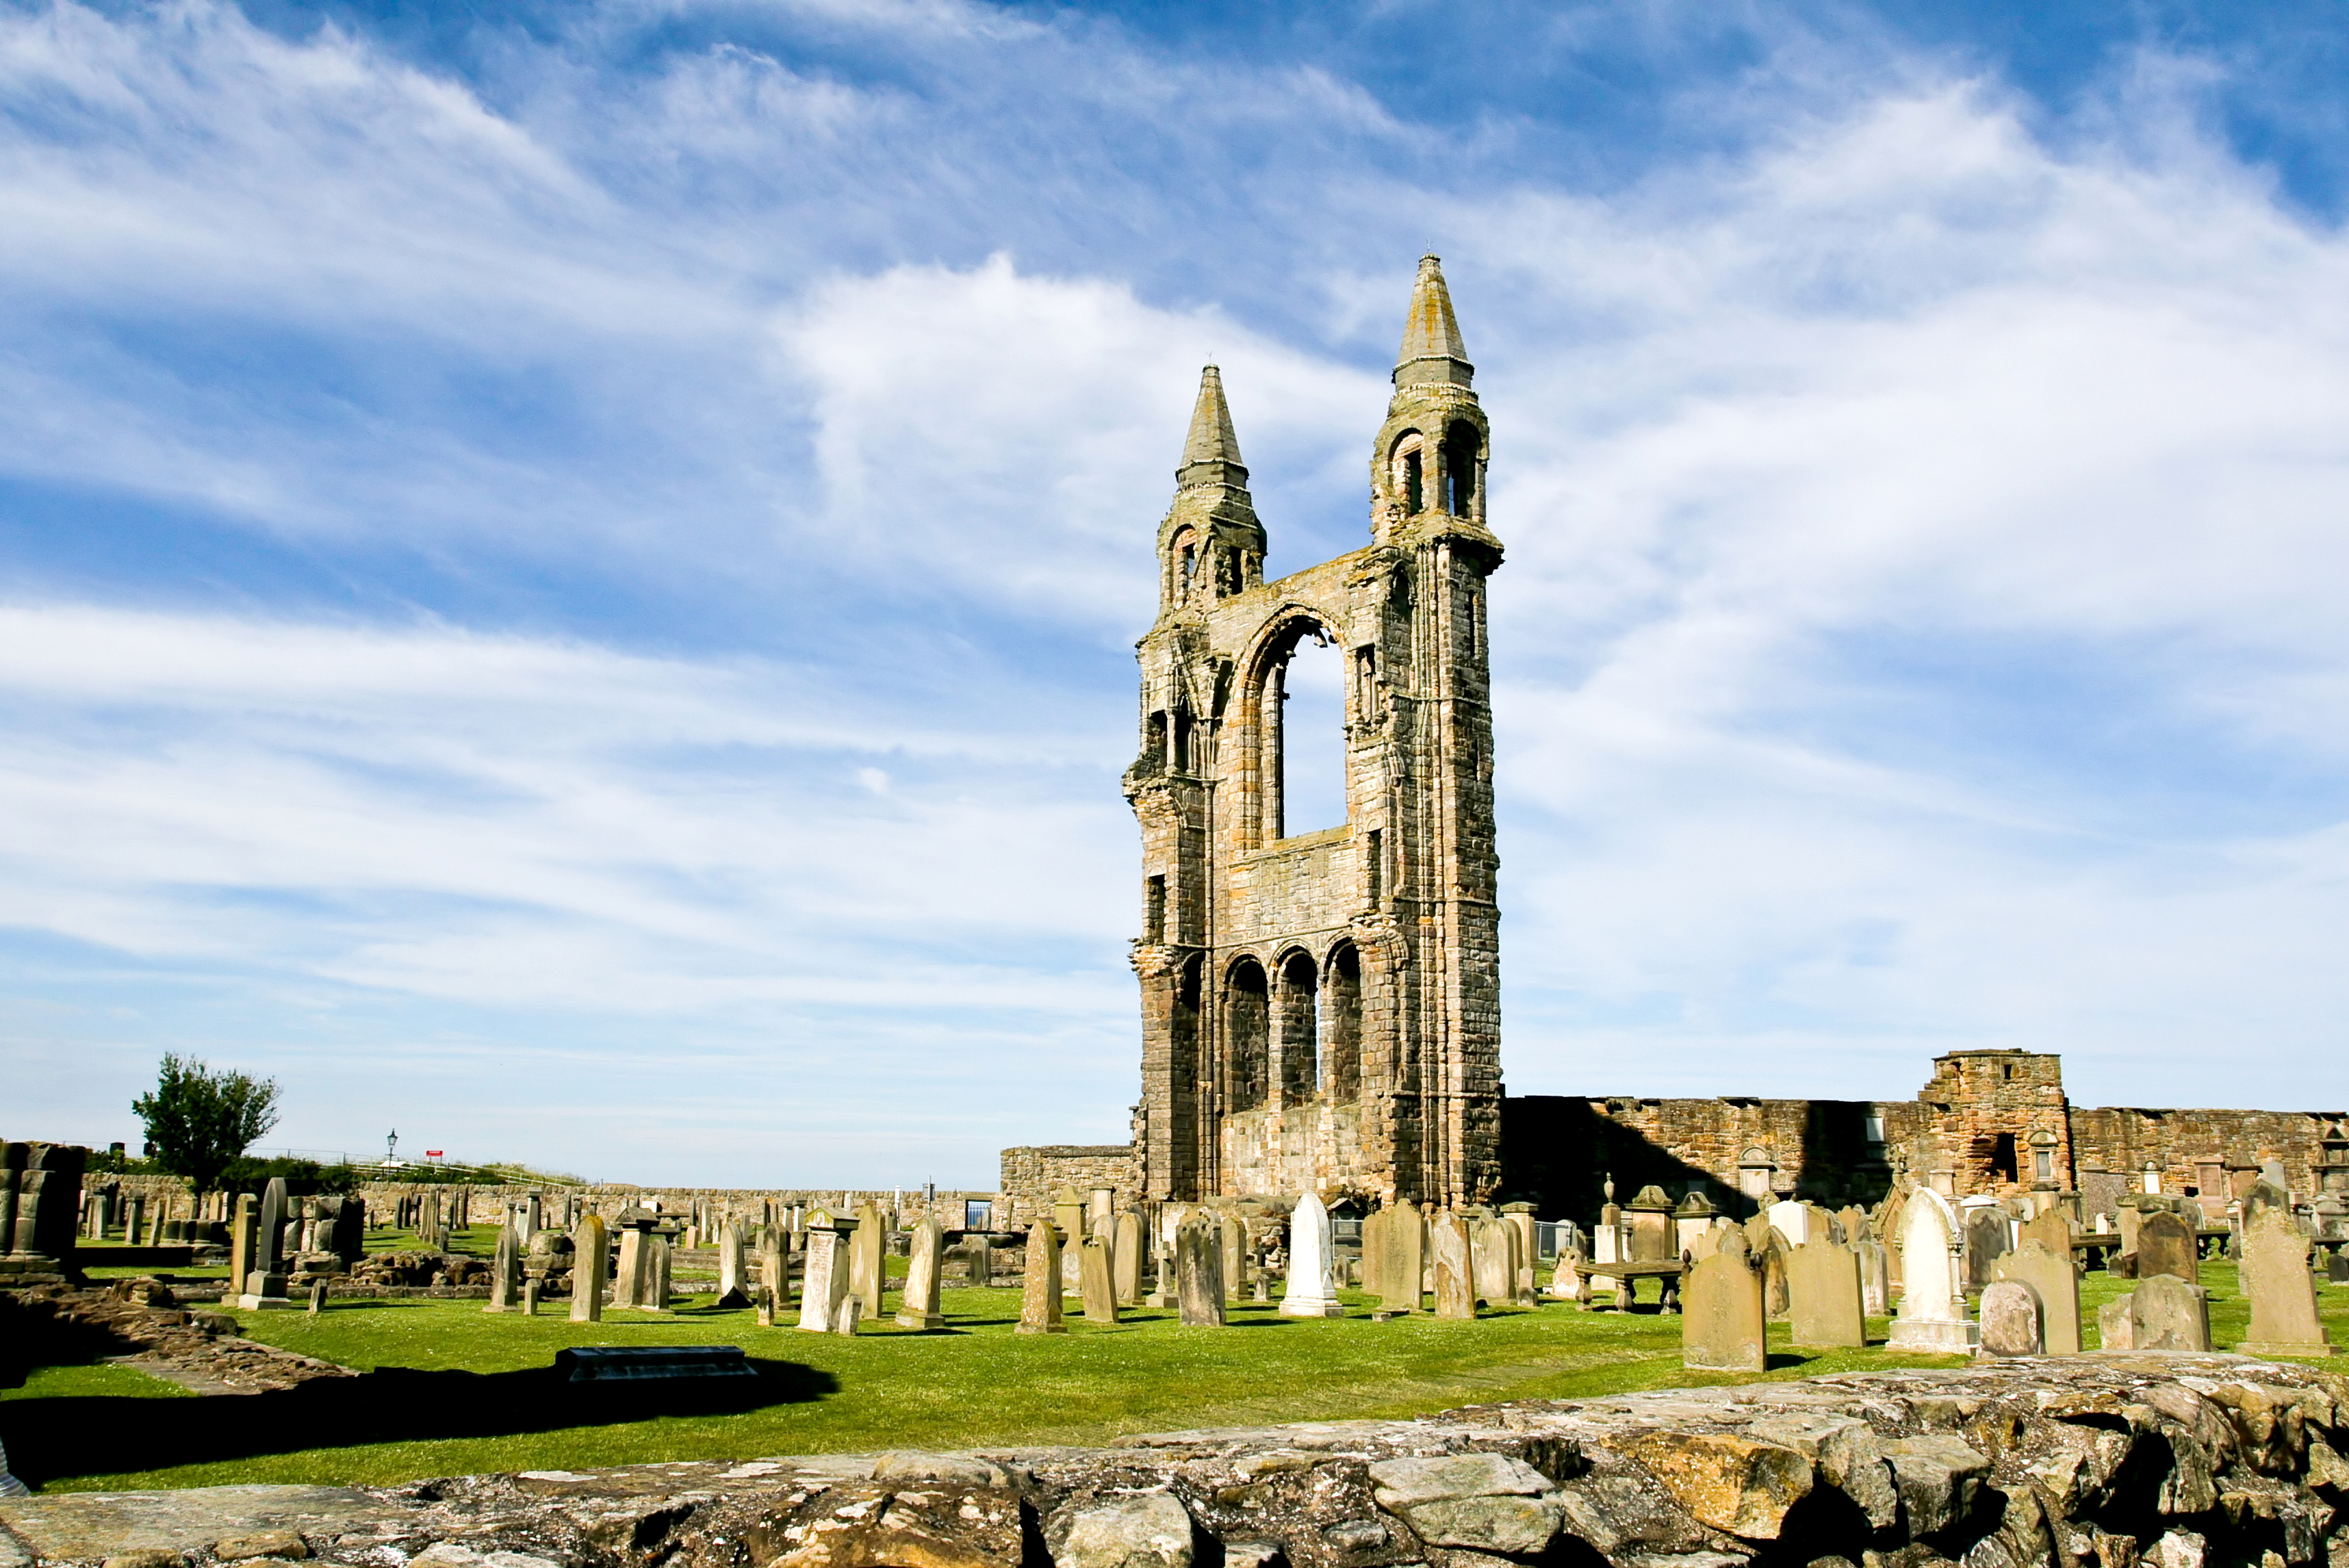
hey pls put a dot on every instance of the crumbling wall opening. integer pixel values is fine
(1305, 704)
(1245, 1037)
(1296, 1012)
(1460, 446)
(1342, 1023)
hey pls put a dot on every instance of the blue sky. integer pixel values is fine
(568, 573)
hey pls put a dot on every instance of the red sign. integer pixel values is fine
(431, 1154)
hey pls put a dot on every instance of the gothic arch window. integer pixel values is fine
(1342, 1023)
(1247, 1016)
(1409, 479)
(1183, 566)
(1299, 707)
(1296, 1022)
(1462, 447)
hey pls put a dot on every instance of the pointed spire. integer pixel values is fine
(1431, 349)
(1212, 455)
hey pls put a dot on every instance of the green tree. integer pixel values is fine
(200, 1120)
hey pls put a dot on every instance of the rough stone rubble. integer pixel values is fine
(2099, 1461)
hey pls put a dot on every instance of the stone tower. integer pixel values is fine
(1321, 1011)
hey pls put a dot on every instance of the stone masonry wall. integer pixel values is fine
(2096, 1462)
(1032, 1175)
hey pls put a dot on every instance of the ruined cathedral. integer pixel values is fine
(1322, 1010)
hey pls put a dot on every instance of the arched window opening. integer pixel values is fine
(1341, 1025)
(1460, 446)
(1183, 741)
(1305, 718)
(1294, 1012)
(1245, 1017)
(1413, 487)
(1154, 743)
(2003, 1166)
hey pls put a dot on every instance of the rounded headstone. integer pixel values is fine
(2010, 1320)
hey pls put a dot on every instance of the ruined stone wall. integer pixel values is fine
(2190, 1147)
(2098, 1461)
(1033, 1175)
(1740, 1152)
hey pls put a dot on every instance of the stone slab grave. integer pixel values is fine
(1722, 1326)
(2165, 1245)
(2010, 1323)
(1932, 1316)
(2000, 1462)
(2054, 1279)
(1823, 1292)
(2283, 1292)
(650, 1363)
(2163, 1313)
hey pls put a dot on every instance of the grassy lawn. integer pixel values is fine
(455, 1389)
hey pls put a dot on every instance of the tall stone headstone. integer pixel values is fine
(2166, 1313)
(632, 1279)
(775, 1267)
(1402, 1261)
(1199, 1271)
(2011, 1319)
(1823, 1288)
(1096, 1287)
(1723, 1328)
(1770, 1262)
(1235, 1256)
(1456, 1282)
(2051, 1228)
(264, 1287)
(1039, 1295)
(2054, 1281)
(1790, 1220)
(244, 1238)
(2263, 1194)
(732, 1279)
(824, 1278)
(1932, 1318)
(2165, 1245)
(1987, 1229)
(2127, 1218)
(591, 1258)
(505, 1271)
(2283, 1292)
(868, 1251)
(657, 1258)
(918, 1307)
(1126, 1262)
(1312, 1289)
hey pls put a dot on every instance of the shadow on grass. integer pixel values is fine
(59, 1439)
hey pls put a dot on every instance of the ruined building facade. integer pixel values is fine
(1322, 1010)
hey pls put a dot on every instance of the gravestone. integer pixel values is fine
(591, 1256)
(530, 1298)
(2282, 1290)
(1823, 1287)
(1096, 1289)
(1199, 1271)
(1875, 1276)
(918, 1307)
(135, 1232)
(1455, 1284)
(264, 1287)
(1723, 1328)
(1040, 1296)
(2054, 1279)
(867, 1275)
(2260, 1196)
(1403, 1257)
(775, 1267)
(2127, 1218)
(824, 1277)
(2336, 1268)
(244, 1232)
(2167, 1312)
(1770, 1260)
(1235, 1245)
(1492, 1253)
(656, 1280)
(731, 1279)
(1125, 1266)
(851, 1316)
(1790, 1220)
(505, 1271)
(1987, 1231)
(1932, 1318)
(2011, 1319)
(2165, 1245)
(1312, 1289)
(632, 1279)
(2050, 1229)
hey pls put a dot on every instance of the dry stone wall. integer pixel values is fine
(2106, 1462)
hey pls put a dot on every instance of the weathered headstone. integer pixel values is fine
(2051, 1228)
(2054, 1280)
(1823, 1289)
(244, 1233)
(867, 1259)
(1402, 1262)
(1455, 1283)
(775, 1267)
(1492, 1254)
(2166, 1313)
(1790, 1220)
(1199, 1271)
(918, 1307)
(1932, 1318)
(1096, 1288)
(1125, 1262)
(2336, 1268)
(1770, 1262)
(632, 1278)
(824, 1277)
(851, 1316)
(264, 1287)
(2011, 1319)
(2165, 1245)
(2263, 1194)
(591, 1255)
(530, 1289)
(1040, 1296)
(1875, 1276)
(2282, 1290)
(1235, 1256)
(1988, 1233)
(1312, 1289)
(731, 1278)
(505, 1271)
(1723, 1328)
